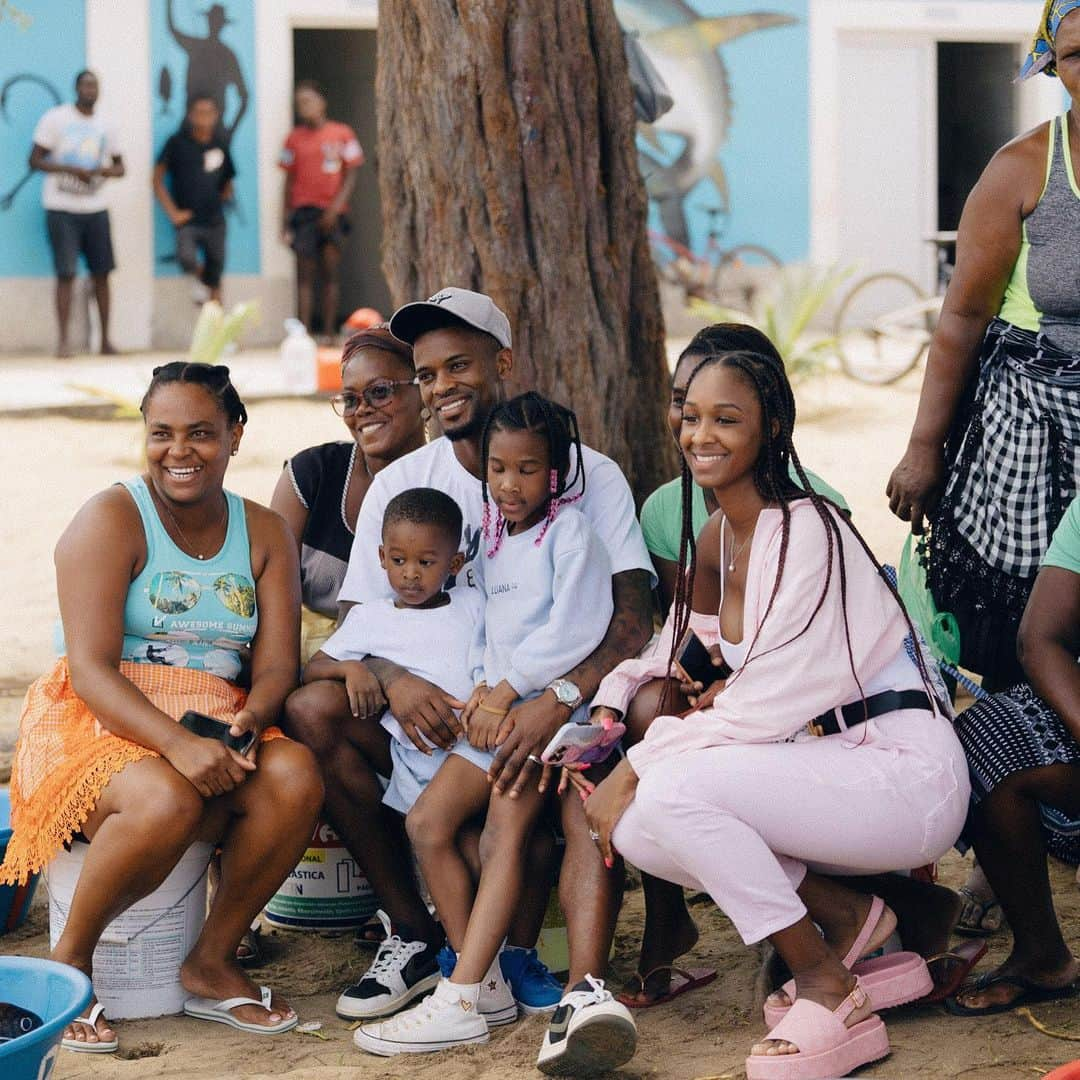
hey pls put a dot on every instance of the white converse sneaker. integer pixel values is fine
(402, 971)
(497, 1004)
(590, 1033)
(446, 1019)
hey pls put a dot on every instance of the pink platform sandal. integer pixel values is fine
(827, 1049)
(889, 981)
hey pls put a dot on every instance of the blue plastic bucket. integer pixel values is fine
(14, 899)
(55, 992)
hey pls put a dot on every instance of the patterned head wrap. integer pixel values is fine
(1042, 55)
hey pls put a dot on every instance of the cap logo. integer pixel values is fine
(439, 298)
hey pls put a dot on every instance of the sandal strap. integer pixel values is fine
(877, 909)
(92, 1019)
(233, 1002)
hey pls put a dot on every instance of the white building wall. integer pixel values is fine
(873, 121)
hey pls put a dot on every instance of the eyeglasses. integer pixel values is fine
(374, 396)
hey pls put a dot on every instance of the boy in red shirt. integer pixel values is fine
(320, 159)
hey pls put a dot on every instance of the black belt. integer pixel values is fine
(876, 705)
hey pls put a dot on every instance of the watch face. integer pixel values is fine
(566, 692)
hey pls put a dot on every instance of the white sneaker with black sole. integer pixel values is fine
(497, 1005)
(401, 972)
(449, 1017)
(590, 1033)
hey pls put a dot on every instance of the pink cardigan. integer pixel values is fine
(774, 695)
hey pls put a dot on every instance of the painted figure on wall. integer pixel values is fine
(7, 198)
(682, 147)
(212, 67)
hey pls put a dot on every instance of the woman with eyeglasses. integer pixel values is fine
(320, 490)
(177, 597)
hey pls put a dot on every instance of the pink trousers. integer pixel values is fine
(744, 822)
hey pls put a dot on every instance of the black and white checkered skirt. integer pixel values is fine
(1014, 467)
(1016, 730)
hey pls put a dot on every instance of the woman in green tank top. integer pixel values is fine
(165, 585)
(994, 455)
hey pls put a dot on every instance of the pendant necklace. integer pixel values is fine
(735, 552)
(183, 536)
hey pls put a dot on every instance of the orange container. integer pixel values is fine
(1071, 1071)
(328, 367)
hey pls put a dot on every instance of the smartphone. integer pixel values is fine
(693, 662)
(210, 728)
(582, 744)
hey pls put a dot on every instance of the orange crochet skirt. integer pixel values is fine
(64, 757)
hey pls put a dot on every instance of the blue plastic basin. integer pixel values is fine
(14, 899)
(55, 992)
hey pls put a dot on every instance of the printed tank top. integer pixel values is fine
(1044, 291)
(187, 612)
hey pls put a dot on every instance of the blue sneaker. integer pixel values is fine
(535, 989)
(447, 960)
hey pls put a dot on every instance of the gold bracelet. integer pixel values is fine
(489, 709)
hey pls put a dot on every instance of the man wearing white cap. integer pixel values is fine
(462, 352)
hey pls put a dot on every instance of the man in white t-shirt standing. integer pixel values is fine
(77, 150)
(462, 353)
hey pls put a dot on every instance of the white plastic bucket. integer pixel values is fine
(136, 964)
(326, 890)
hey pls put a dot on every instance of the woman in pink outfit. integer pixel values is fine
(828, 750)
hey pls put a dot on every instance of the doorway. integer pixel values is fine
(977, 112)
(343, 61)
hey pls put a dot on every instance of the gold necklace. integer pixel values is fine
(183, 536)
(735, 552)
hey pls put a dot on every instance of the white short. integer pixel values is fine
(414, 770)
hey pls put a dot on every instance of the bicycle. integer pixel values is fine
(884, 326)
(721, 275)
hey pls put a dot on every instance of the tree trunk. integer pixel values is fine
(507, 165)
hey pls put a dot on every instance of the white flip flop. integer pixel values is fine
(218, 1011)
(81, 1047)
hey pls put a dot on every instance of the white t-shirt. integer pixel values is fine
(73, 138)
(443, 645)
(548, 605)
(607, 505)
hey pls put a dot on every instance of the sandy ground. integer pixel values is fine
(851, 435)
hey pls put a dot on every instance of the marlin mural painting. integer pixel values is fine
(683, 45)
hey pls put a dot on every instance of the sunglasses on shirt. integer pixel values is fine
(374, 396)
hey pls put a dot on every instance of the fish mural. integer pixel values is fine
(684, 47)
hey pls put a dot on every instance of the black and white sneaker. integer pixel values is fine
(590, 1033)
(402, 971)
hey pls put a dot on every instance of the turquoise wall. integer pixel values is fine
(38, 65)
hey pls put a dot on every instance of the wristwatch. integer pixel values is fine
(566, 693)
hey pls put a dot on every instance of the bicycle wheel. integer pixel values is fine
(882, 328)
(742, 273)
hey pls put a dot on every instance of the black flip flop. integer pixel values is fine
(1030, 994)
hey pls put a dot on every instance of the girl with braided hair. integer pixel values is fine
(547, 579)
(828, 749)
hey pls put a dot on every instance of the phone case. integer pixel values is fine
(695, 662)
(210, 727)
(583, 744)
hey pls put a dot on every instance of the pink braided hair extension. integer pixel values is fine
(553, 506)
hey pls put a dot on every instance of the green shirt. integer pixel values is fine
(1064, 549)
(661, 516)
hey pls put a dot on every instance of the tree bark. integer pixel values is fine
(507, 165)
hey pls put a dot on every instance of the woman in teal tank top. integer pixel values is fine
(175, 595)
(994, 455)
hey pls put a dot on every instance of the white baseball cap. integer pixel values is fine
(475, 309)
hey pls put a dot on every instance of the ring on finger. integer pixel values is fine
(594, 836)
(534, 759)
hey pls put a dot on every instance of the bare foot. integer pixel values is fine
(841, 932)
(221, 979)
(660, 947)
(109, 349)
(826, 992)
(1006, 992)
(84, 1033)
